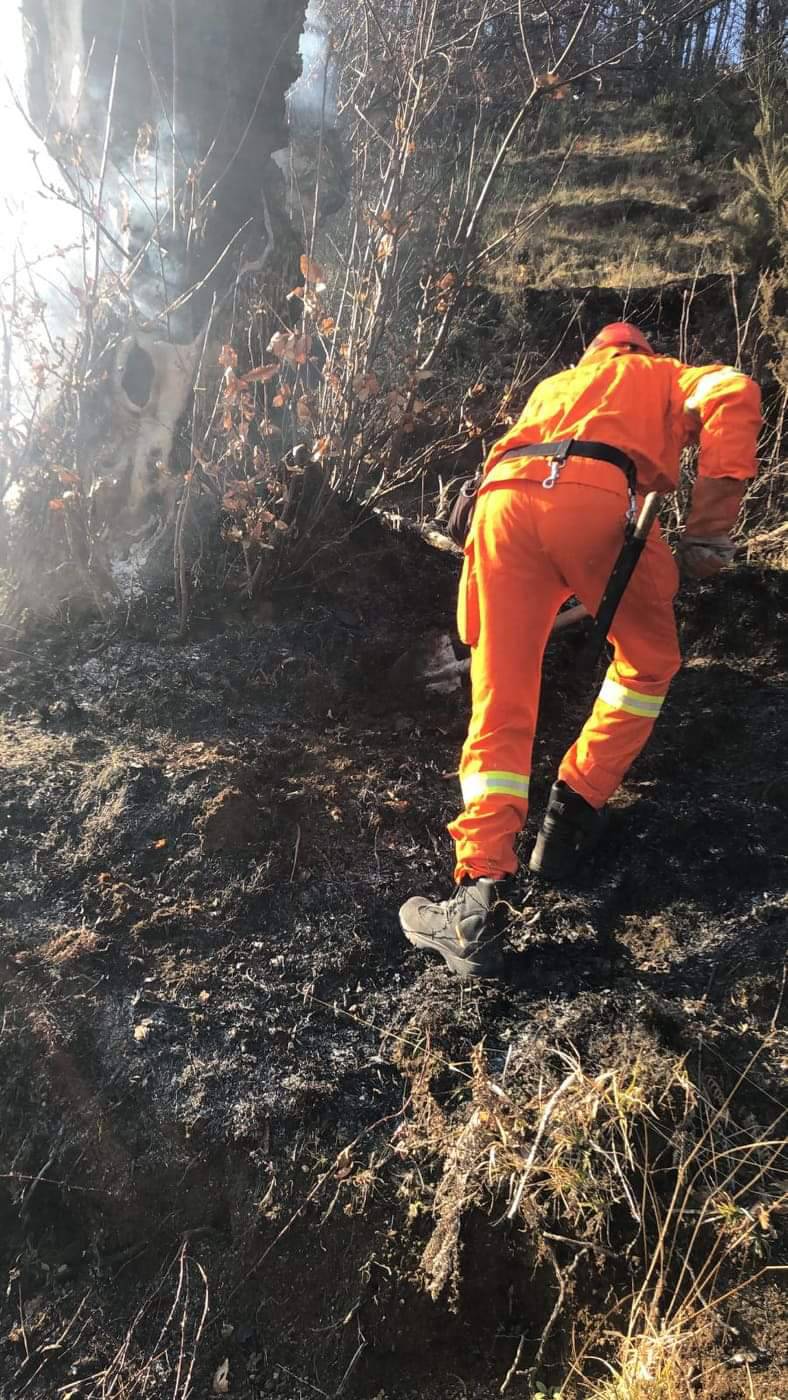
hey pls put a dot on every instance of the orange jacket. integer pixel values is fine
(652, 407)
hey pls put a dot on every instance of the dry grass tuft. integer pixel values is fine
(637, 1161)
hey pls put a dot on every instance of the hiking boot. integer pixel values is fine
(467, 929)
(571, 830)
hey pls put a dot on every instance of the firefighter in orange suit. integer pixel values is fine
(549, 523)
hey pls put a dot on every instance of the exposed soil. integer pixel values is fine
(209, 1020)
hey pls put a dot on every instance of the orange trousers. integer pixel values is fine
(528, 551)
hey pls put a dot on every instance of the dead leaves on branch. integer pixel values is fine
(365, 386)
(262, 375)
(327, 446)
(290, 347)
(253, 520)
(552, 86)
(347, 388)
(390, 223)
(312, 272)
(72, 480)
(311, 294)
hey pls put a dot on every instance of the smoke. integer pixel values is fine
(47, 247)
(40, 243)
(35, 226)
(318, 78)
(150, 224)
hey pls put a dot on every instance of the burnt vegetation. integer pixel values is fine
(251, 1144)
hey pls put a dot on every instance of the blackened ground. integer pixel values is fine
(203, 846)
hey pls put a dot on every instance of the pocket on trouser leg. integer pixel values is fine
(468, 620)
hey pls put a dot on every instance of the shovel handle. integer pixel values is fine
(648, 514)
(623, 570)
(645, 520)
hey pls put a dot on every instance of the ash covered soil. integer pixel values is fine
(209, 1019)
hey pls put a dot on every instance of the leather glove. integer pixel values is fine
(699, 558)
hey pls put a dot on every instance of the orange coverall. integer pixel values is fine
(529, 549)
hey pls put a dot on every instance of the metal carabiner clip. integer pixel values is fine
(555, 471)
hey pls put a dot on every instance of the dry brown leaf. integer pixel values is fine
(260, 375)
(232, 385)
(344, 1164)
(365, 385)
(552, 85)
(299, 350)
(313, 272)
(278, 343)
(321, 448)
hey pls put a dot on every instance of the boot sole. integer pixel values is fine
(464, 968)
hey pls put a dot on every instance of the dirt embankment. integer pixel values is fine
(226, 1083)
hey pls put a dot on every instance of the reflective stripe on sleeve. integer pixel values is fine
(707, 385)
(476, 785)
(620, 697)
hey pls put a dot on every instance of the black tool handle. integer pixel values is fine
(623, 570)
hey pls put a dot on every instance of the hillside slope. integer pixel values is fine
(628, 197)
(252, 1144)
(216, 1046)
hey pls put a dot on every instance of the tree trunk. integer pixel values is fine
(751, 25)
